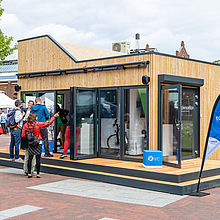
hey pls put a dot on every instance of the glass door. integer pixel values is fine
(63, 106)
(85, 123)
(189, 123)
(171, 124)
(109, 122)
(135, 123)
(48, 99)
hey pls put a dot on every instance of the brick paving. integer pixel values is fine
(14, 193)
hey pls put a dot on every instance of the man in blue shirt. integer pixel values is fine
(42, 116)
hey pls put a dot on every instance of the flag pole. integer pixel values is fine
(198, 193)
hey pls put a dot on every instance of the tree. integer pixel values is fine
(216, 61)
(5, 42)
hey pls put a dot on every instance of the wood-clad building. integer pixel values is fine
(122, 103)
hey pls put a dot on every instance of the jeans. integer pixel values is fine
(44, 134)
(15, 142)
(3, 128)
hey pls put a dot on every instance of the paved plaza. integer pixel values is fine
(60, 197)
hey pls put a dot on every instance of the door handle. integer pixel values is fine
(178, 126)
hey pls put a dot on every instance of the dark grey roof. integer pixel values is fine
(8, 77)
(8, 68)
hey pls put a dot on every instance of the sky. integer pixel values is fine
(162, 24)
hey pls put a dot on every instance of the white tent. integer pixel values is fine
(5, 101)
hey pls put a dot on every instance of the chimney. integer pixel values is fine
(147, 48)
(182, 52)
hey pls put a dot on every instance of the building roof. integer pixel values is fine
(84, 52)
(8, 71)
(8, 67)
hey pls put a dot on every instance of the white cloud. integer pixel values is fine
(62, 33)
(162, 24)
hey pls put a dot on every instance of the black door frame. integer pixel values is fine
(179, 122)
(73, 154)
(72, 117)
(55, 122)
(195, 122)
(55, 109)
(121, 115)
(165, 79)
(123, 157)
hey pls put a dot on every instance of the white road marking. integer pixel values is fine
(13, 212)
(13, 171)
(107, 219)
(98, 190)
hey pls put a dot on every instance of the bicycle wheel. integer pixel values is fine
(112, 141)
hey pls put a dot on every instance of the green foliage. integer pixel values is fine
(217, 61)
(1, 9)
(5, 42)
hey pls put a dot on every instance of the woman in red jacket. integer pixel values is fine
(35, 150)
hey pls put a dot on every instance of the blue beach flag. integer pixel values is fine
(212, 141)
(213, 137)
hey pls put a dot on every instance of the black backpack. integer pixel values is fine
(10, 121)
(32, 140)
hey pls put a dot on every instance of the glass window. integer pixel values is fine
(85, 128)
(135, 127)
(110, 122)
(47, 99)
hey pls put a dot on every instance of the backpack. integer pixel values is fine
(32, 140)
(10, 121)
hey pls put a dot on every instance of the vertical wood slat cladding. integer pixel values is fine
(42, 54)
(208, 93)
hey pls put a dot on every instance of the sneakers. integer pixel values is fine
(48, 155)
(62, 156)
(12, 159)
(18, 160)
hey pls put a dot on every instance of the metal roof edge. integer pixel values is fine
(114, 57)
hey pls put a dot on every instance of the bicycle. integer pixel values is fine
(113, 141)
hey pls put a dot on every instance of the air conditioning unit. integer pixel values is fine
(123, 47)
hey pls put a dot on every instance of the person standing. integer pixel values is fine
(61, 124)
(34, 126)
(16, 132)
(42, 116)
(1, 130)
(3, 122)
(25, 167)
(28, 110)
(67, 137)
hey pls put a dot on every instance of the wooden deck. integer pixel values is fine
(188, 166)
(133, 174)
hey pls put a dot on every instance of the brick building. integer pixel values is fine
(8, 78)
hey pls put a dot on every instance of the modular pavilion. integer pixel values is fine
(120, 105)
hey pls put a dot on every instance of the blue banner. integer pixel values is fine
(214, 130)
